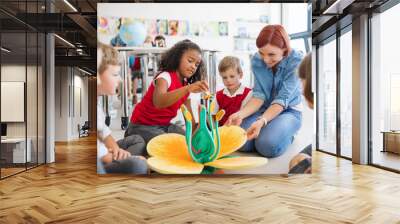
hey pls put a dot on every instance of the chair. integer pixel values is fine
(84, 130)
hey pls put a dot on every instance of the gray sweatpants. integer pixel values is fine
(134, 144)
(148, 132)
(131, 165)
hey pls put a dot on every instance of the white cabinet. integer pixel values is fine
(15, 148)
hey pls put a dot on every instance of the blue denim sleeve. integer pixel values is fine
(257, 89)
(290, 84)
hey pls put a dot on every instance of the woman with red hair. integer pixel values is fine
(273, 115)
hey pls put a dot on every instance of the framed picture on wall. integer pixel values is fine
(183, 28)
(173, 26)
(194, 28)
(151, 26)
(223, 28)
(162, 26)
(213, 28)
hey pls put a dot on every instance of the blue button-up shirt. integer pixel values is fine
(283, 87)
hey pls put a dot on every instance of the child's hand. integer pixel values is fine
(107, 158)
(119, 154)
(198, 87)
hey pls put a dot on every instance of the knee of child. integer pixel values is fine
(137, 165)
(173, 128)
(135, 145)
(128, 141)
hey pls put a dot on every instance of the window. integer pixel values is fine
(385, 89)
(292, 13)
(298, 44)
(298, 29)
(346, 94)
(22, 65)
(326, 97)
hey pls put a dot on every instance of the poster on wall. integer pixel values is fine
(213, 28)
(194, 28)
(162, 27)
(196, 137)
(223, 28)
(173, 26)
(151, 25)
(183, 28)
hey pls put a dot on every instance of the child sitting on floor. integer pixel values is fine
(110, 157)
(301, 163)
(235, 95)
(181, 73)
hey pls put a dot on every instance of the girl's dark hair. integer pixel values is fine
(170, 60)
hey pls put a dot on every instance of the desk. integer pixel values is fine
(13, 150)
(391, 141)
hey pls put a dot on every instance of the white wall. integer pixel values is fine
(61, 103)
(80, 83)
(68, 82)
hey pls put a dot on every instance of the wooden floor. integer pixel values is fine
(5, 172)
(70, 191)
(388, 159)
(10, 171)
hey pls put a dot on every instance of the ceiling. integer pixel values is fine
(76, 26)
(330, 15)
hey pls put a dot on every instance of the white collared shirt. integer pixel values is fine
(239, 91)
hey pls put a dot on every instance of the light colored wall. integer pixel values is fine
(62, 80)
(67, 115)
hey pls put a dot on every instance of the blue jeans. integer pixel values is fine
(276, 136)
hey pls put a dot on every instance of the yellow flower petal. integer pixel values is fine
(238, 163)
(170, 165)
(232, 138)
(169, 146)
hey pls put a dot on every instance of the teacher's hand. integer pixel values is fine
(254, 130)
(234, 119)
